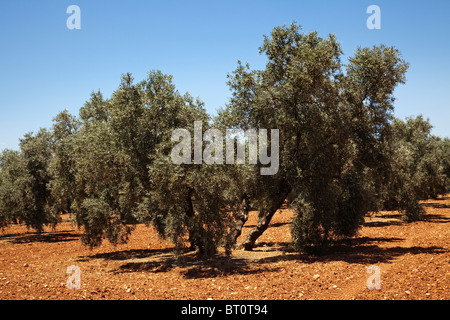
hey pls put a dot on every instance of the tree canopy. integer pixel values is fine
(340, 153)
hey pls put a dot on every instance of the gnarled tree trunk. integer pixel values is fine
(264, 218)
(241, 219)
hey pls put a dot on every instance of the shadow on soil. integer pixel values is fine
(263, 259)
(436, 205)
(272, 225)
(45, 237)
(363, 250)
(436, 218)
(128, 254)
(383, 223)
(398, 219)
(161, 260)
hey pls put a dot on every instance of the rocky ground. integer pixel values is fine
(413, 261)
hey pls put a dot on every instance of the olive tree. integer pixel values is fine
(24, 183)
(331, 123)
(417, 167)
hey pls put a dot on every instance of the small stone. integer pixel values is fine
(407, 292)
(316, 276)
(129, 290)
(25, 265)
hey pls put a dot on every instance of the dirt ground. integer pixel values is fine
(413, 261)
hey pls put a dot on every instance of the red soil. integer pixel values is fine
(414, 261)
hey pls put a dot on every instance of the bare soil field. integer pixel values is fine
(413, 259)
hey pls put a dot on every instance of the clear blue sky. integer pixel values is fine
(46, 68)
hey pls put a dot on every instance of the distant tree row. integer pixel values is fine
(342, 154)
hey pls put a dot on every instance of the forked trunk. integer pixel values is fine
(241, 219)
(265, 216)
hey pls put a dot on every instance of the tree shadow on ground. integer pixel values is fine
(272, 225)
(383, 223)
(223, 266)
(390, 219)
(45, 237)
(436, 218)
(192, 267)
(436, 205)
(128, 254)
(363, 250)
(262, 259)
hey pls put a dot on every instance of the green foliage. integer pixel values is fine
(62, 163)
(114, 150)
(341, 153)
(124, 174)
(12, 181)
(25, 177)
(190, 204)
(332, 126)
(417, 167)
